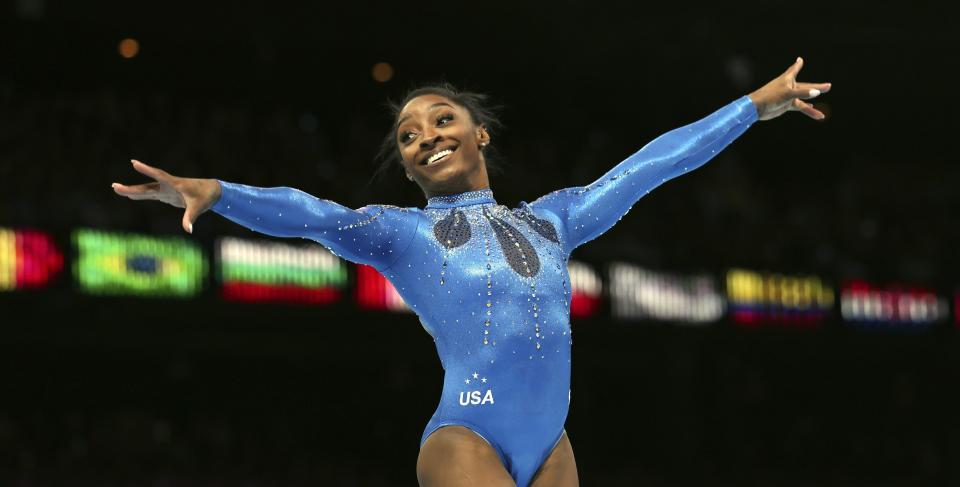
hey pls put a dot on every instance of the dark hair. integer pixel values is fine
(477, 104)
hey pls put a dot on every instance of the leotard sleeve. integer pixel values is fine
(375, 235)
(584, 213)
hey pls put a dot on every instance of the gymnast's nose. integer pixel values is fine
(429, 139)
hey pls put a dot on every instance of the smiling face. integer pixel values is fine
(441, 146)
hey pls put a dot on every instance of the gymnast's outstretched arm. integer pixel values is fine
(584, 213)
(373, 235)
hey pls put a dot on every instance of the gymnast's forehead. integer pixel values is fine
(424, 103)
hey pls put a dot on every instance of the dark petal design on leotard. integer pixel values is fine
(453, 231)
(540, 225)
(521, 256)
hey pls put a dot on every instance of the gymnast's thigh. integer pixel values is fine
(454, 456)
(559, 469)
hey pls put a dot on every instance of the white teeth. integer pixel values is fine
(438, 155)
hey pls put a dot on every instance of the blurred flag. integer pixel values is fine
(638, 293)
(275, 271)
(125, 264)
(28, 258)
(587, 290)
(375, 292)
(757, 298)
(894, 306)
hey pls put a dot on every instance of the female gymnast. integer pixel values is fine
(488, 283)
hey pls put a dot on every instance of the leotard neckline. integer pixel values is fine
(466, 198)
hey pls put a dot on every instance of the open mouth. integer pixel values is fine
(439, 156)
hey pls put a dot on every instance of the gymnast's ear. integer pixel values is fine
(483, 137)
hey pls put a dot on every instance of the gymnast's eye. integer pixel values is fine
(406, 137)
(444, 119)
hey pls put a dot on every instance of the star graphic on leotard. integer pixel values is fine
(466, 381)
(484, 380)
(476, 375)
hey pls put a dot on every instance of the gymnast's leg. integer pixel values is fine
(454, 456)
(559, 469)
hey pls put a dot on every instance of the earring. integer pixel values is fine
(409, 177)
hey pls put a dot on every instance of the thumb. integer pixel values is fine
(189, 217)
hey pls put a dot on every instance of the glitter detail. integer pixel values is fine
(486, 252)
(453, 230)
(461, 199)
(539, 225)
(362, 223)
(520, 254)
(528, 313)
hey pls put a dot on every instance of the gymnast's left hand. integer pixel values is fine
(785, 94)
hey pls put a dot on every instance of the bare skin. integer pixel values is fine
(429, 124)
(454, 456)
(193, 194)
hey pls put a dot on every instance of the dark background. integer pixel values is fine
(125, 391)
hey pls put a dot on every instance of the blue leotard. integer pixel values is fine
(490, 283)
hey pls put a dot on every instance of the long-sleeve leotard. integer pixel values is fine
(586, 212)
(374, 235)
(490, 283)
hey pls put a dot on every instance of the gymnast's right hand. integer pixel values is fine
(196, 195)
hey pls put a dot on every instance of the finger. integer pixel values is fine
(807, 109)
(792, 71)
(158, 174)
(810, 90)
(137, 192)
(189, 217)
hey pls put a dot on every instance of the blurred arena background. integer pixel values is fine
(785, 315)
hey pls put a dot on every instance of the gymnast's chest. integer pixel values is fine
(487, 252)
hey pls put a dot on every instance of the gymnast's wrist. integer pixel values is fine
(215, 191)
(754, 98)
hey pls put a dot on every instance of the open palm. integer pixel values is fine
(195, 195)
(785, 93)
